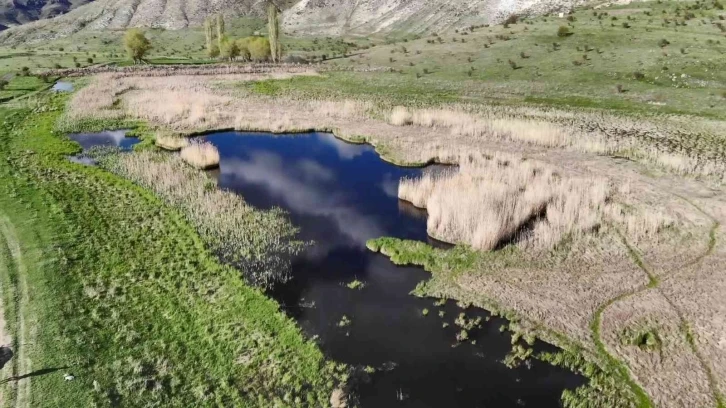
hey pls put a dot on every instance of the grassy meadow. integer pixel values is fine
(103, 280)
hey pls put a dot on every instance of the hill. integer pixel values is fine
(310, 17)
(17, 12)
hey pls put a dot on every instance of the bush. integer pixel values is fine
(513, 65)
(3, 83)
(136, 44)
(25, 71)
(638, 75)
(564, 31)
(260, 49)
(663, 42)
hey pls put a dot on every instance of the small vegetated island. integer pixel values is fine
(586, 203)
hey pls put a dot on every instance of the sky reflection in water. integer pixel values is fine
(341, 195)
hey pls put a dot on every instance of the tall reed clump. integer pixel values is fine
(200, 155)
(259, 243)
(171, 142)
(497, 199)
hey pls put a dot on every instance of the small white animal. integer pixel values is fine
(69, 377)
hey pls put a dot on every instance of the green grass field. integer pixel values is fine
(104, 281)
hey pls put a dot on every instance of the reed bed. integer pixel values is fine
(171, 142)
(192, 103)
(496, 199)
(200, 155)
(586, 134)
(259, 243)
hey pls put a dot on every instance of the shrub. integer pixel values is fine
(513, 65)
(3, 83)
(638, 75)
(512, 19)
(663, 42)
(25, 71)
(136, 44)
(260, 49)
(564, 31)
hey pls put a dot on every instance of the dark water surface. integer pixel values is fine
(341, 195)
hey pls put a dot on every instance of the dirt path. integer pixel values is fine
(684, 324)
(15, 270)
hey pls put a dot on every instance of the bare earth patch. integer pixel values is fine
(563, 272)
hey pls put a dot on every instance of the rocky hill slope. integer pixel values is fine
(16, 12)
(321, 17)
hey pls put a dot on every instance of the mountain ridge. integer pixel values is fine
(309, 17)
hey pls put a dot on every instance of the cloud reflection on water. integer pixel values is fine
(306, 188)
(109, 138)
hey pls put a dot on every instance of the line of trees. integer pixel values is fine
(218, 44)
(253, 48)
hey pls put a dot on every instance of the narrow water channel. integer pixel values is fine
(341, 195)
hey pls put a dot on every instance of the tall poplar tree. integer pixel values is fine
(220, 30)
(273, 28)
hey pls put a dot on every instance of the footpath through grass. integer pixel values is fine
(122, 293)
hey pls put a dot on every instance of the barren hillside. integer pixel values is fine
(16, 12)
(335, 17)
(327, 17)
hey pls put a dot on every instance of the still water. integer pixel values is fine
(341, 195)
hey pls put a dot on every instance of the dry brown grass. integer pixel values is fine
(171, 142)
(527, 126)
(200, 155)
(494, 199)
(670, 373)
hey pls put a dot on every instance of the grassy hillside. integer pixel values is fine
(671, 58)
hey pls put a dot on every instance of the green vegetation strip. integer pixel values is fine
(126, 297)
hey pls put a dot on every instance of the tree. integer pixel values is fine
(136, 44)
(229, 50)
(259, 49)
(209, 34)
(273, 28)
(214, 51)
(243, 45)
(220, 31)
